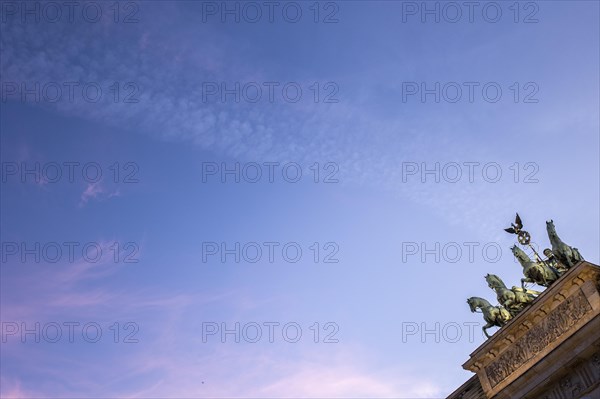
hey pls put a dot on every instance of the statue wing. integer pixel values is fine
(510, 230)
(518, 222)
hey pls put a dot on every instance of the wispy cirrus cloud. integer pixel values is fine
(96, 191)
(369, 135)
(168, 71)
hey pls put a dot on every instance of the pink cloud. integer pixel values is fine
(93, 190)
(96, 191)
(13, 389)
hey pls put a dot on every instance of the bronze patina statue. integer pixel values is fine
(565, 254)
(553, 262)
(514, 299)
(535, 272)
(543, 272)
(493, 315)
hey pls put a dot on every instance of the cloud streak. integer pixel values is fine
(369, 148)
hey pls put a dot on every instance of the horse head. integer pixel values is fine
(477, 302)
(551, 229)
(472, 304)
(520, 255)
(494, 281)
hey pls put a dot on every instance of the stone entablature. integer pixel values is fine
(559, 312)
(557, 323)
(582, 379)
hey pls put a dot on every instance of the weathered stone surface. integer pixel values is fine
(558, 322)
(581, 380)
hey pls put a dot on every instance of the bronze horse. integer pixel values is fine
(515, 299)
(565, 254)
(493, 315)
(535, 272)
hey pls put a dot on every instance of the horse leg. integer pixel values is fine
(484, 328)
(526, 280)
(569, 257)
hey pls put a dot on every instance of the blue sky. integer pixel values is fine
(366, 134)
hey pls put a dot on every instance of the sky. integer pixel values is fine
(280, 199)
